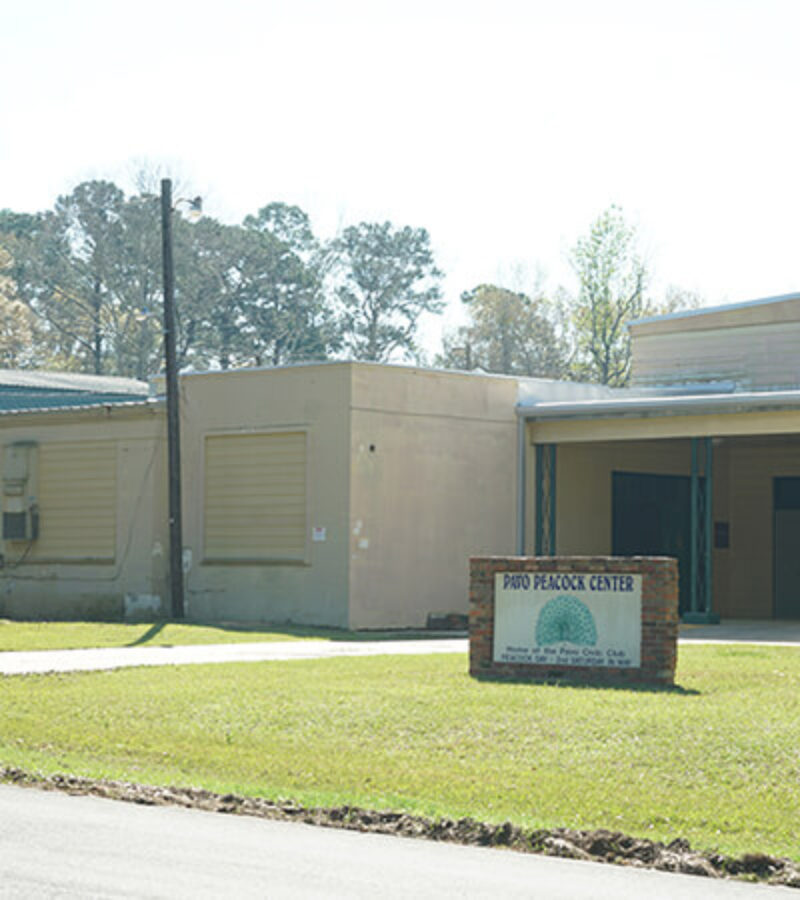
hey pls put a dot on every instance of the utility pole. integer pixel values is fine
(173, 409)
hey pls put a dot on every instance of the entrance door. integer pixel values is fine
(786, 494)
(651, 517)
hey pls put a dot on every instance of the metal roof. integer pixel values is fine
(22, 390)
(725, 307)
(71, 381)
(74, 405)
(641, 405)
(29, 400)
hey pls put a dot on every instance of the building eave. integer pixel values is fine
(710, 310)
(644, 407)
(125, 406)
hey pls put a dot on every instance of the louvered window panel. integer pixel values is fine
(255, 496)
(77, 501)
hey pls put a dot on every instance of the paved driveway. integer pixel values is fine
(780, 634)
(748, 631)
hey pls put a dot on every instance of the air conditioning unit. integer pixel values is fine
(21, 526)
(20, 509)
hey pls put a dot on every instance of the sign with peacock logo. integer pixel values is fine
(568, 618)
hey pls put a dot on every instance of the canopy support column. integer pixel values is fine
(522, 485)
(545, 499)
(701, 536)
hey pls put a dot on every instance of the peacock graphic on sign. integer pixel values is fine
(566, 619)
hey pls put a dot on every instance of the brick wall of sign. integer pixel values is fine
(656, 643)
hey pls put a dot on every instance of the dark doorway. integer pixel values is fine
(650, 516)
(786, 502)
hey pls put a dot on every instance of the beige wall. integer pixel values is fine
(584, 478)
(753, 466)
(733, 424)
(61, 576)
(310, 399)
(754, 344)
(584, 496)
(756, 357)
(433, 482)
(583, 487)
(407, 474)
(744, 469)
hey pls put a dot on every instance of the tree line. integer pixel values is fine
(579, 334)
(80, 290)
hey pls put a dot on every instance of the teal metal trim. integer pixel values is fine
(700, 618)
(545, 499)
(709, 541)
(539, 499)
(522, 487)
(552, 535)
(701, 549)
(693, 532)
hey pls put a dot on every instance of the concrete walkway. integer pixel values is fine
(773, 632)
(767, 632)
(38, 661)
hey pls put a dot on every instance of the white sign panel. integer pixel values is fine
(568, 618)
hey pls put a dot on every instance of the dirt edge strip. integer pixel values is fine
(594, 846)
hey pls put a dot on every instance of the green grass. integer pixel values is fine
(717, 762)
(73, 635)
(16, 635)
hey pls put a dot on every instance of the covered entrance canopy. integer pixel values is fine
(712, 479)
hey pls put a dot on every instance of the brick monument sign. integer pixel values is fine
(598, 619)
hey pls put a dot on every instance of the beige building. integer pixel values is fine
(341, 494)
(699, 460)
(80, 506)
(353, 494)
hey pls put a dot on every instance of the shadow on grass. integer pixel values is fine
(593, 685)
(340, 634)
(299, 631)
(153, 631)
(334, 634)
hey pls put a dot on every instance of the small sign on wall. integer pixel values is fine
(568, 619)
(319, 534)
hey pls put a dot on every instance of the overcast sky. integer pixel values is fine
(502, 127)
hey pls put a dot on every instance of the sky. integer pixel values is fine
(504, 128)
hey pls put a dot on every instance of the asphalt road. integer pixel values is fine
(57, 846)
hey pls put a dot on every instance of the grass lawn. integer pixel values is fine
(717, 762)
(16, 635)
